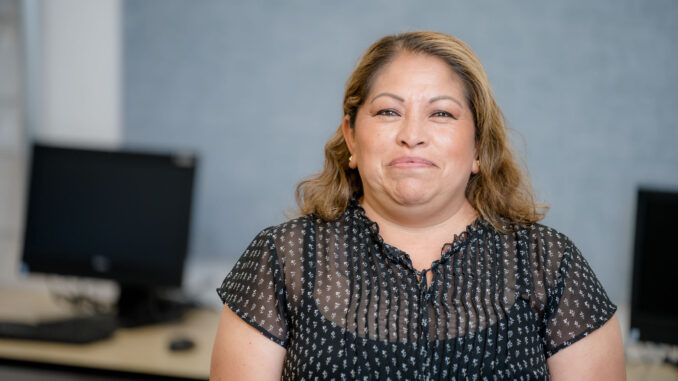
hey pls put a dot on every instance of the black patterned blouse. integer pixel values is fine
(348, 306)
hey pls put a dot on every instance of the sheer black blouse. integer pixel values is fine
(348, 306)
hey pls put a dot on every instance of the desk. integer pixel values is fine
(638, 371)
(138, 350)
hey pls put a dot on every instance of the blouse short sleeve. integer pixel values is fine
(254, 289)
(577, 305)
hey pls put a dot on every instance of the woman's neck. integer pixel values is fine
(421, 238)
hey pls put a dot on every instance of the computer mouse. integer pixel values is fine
(181, 344)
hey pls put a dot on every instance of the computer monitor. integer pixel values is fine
(654, 310)
(110, 214)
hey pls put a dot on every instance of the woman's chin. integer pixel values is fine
(412, 196)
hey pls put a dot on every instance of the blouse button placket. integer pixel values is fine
(424, 297)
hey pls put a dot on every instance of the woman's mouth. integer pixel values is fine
(411, 162)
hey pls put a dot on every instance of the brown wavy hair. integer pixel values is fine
(500, 192)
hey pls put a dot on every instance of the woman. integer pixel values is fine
(418, 255)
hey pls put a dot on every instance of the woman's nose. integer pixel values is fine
(411, 133)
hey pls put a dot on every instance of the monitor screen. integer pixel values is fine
(109, 214)
(654, 312)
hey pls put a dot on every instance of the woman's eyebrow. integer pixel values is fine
(435, 99)
(388, 95)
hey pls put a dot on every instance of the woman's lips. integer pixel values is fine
(410, 162)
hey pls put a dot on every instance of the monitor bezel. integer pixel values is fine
(648, 326)
(132, 275)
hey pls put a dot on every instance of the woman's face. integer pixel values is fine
(414, 137)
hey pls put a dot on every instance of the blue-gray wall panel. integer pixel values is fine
(255, 87)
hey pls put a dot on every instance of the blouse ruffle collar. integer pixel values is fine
(475, 228)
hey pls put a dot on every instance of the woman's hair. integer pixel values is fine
(500, 191)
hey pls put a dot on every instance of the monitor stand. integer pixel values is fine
(142, 305)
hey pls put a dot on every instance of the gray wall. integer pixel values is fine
(255, 88)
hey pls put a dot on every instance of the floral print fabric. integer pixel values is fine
(348, 306)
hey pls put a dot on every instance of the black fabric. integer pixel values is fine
(348, 306)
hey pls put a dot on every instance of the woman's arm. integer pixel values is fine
(242, 353)
(598, 356)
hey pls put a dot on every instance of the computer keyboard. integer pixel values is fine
(77, 330)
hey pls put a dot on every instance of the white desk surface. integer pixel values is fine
(140, 350)
(650, 372)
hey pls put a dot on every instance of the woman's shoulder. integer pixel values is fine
(538, 231)
(538, 239)
(287, 231)
(307, 224)
(547, 249)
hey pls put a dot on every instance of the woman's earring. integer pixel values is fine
(350, 159)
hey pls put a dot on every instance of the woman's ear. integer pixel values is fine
(475, 166)
(349, 137)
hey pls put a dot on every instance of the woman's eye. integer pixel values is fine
(442, 114)
(387, 112)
